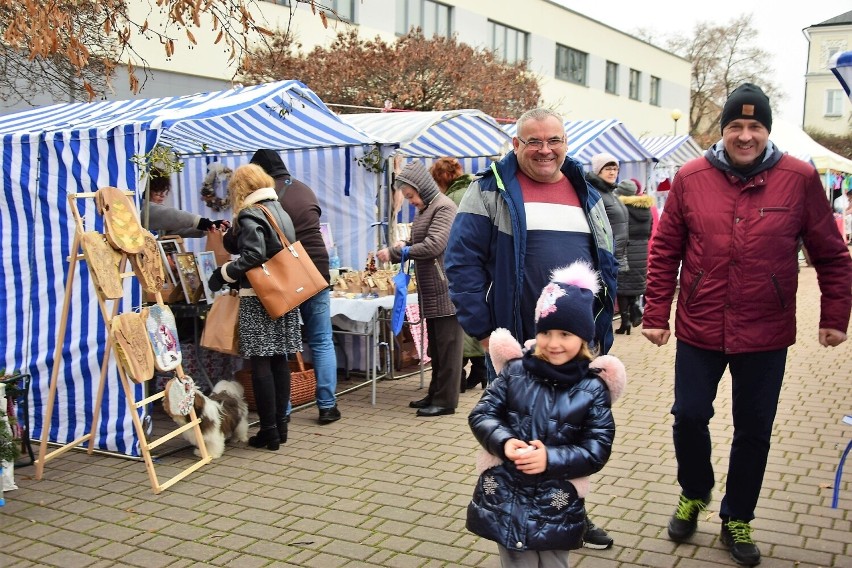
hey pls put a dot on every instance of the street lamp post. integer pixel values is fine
(676, 114)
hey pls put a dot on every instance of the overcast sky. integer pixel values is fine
(779, 26)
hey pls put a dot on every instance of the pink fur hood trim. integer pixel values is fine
(503, 347)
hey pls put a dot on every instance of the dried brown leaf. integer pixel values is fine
(191, 37)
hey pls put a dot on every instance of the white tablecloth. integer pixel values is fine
(357, 314)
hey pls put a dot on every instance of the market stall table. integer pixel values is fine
(360, 317)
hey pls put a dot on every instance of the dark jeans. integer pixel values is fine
(755, 387)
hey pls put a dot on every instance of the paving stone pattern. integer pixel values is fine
(382, 487)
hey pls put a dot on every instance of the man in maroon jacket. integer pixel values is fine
(732, 222)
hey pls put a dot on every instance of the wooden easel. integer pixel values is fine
(108, 314)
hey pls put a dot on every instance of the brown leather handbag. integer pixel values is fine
(288, 278)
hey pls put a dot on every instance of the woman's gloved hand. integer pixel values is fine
(216, 280)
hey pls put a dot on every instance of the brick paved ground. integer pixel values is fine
(384, 488)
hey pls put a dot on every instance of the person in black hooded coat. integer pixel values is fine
(631, 282)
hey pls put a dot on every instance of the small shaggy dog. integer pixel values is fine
(224, 414)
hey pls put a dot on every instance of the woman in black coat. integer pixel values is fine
(631, 282)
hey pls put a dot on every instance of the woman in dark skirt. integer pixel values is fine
(264, 340)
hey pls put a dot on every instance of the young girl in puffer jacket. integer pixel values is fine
(545, 425)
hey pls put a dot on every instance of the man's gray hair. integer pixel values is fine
(538, 114)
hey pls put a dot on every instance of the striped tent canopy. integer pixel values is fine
(52, 152)
(841, 66)
(589, 137)
(432, 134)
(672, 150)
(471, 136)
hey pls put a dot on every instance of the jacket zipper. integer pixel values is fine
(777, 286)
(440, 270)
(764, 210)
(694, 286)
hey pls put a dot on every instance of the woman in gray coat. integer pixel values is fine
(430, 231)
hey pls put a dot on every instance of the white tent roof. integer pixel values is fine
(432, 134)
(795, 141)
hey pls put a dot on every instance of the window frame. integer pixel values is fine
(519, 35)
(833, 103)
(654, 94)
(611, 78)
(566, 70)
(635, 88)
(441, 14)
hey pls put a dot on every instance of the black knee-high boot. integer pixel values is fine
(635, 312)
(624, 310)
(281, 374)
(478, 374)
(264, 396)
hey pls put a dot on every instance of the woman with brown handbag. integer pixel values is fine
(264, 340)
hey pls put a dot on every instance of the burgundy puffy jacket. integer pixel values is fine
(738, 242)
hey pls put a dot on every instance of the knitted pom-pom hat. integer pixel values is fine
(567, 302)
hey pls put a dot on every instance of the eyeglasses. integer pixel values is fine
(535, 144)
(610, 169)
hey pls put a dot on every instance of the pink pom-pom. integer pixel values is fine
(578, 273)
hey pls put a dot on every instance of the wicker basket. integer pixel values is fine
(303, 383)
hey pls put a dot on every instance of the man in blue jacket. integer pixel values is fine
(530, 213)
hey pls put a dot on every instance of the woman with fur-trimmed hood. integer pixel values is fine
(545, 425)
(640, 225)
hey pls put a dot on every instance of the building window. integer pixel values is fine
(345, 9)
(654, 97)
(833, 102)
(431, 17)
(507, 43)
(571, 65)
(635, 77)
(611, 77)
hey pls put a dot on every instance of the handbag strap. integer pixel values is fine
(403, 254)
(275, 226)
(300, 361)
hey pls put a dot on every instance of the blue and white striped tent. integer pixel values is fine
(51, 152)
(672, 150)
(841, 66)
(471, 136)
(589, 137)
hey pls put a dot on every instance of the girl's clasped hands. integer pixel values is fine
(529, 458)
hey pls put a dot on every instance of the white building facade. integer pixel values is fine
(827, 108)
(586, 69)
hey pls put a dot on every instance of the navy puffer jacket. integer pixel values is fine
(569, 410)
